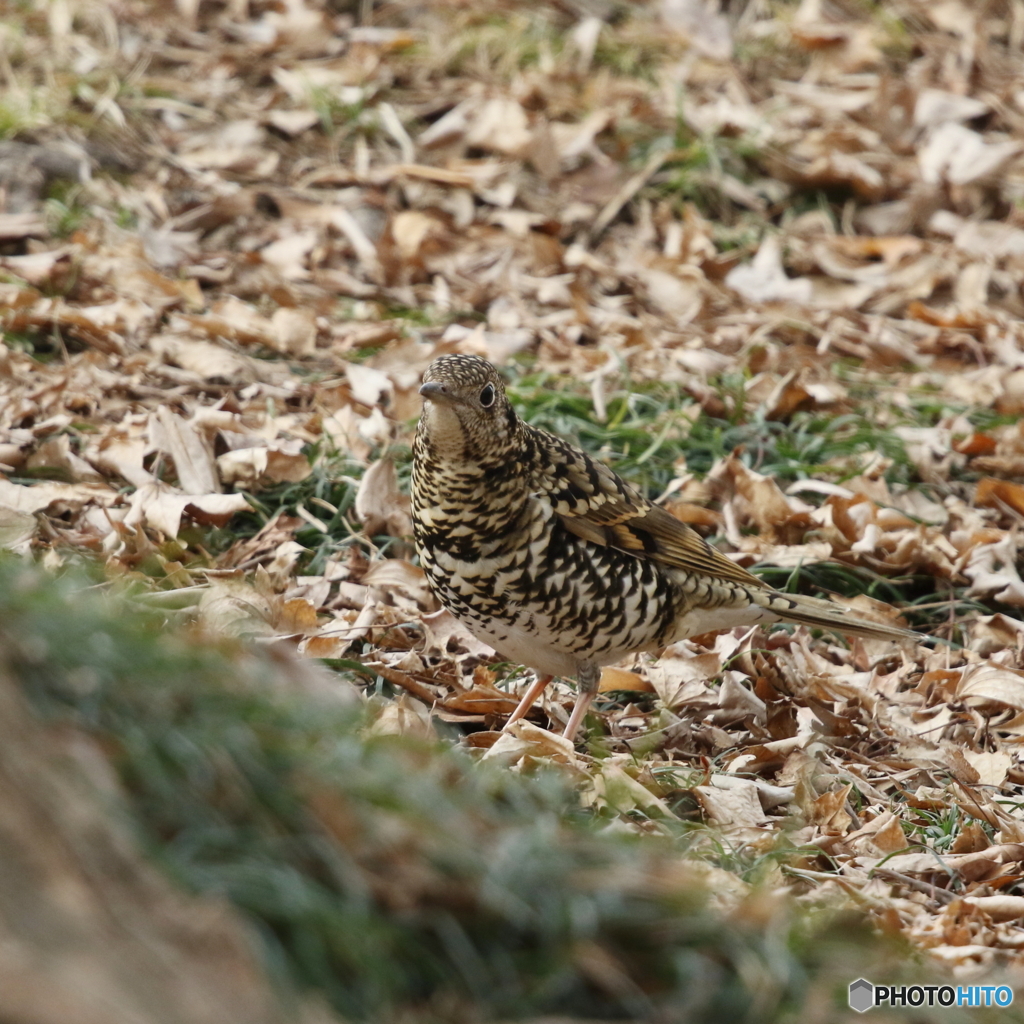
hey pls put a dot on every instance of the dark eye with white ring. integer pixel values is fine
(487, 396)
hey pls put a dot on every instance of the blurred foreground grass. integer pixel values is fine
(397, 877)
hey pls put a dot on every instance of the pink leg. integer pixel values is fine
(579, 712)
(588, 680)
(530, 698)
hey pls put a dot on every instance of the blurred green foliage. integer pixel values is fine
(398, 876)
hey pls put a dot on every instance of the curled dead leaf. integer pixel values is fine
(380, 504)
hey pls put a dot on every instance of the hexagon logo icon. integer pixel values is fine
(862, 995)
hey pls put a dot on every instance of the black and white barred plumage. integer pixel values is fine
(552, 559)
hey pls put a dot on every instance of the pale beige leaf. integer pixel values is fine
(233, 605)
(1003, 907)
(410, 229)
(16, 529)
(681, 676)
(399, 574)
(295, 331)
(289, 256)
(499, 124)
(205, 358)
(161, 507)
(37, 497)
(369, 386)
(444, 634)
(260, 467)
(189, 449)
(523, 739)
(731, 801)
(621, 791)
(991, 766)
(293, 122)
(989, 684)
(380, 504)
(404, 716)
(936, 106)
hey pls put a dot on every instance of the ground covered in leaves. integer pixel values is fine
(765, 262)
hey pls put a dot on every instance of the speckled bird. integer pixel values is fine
(555, 561)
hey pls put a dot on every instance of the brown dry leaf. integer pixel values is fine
(295, 330)
(296, 615)
(37, 268)
(208, 360)
(995, 493)
(56, 454)
(619, 679)
(369, 386)
(992, 570)
(14, 226)
(829, 813)
(238, 147)
(761, 499)
(736, 702)
(993, 633)
(483, 699)
(234, 320)
(681, 674)
(883, 835)
(411, 229)
(289, 256)
(104, 327)
(960, 155)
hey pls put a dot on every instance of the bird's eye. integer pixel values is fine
(487, 396)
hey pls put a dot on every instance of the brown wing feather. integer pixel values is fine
(599, 506)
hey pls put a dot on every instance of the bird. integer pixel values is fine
(549, 557)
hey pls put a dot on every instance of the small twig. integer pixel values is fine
(630, 189)
(928, 888)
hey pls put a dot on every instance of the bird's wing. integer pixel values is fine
(599, 506)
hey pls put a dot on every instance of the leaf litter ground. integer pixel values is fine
(767, 265)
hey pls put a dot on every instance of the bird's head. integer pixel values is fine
(467, 416)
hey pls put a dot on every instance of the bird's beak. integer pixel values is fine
(435, 391)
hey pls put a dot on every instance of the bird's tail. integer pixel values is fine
(810, 611)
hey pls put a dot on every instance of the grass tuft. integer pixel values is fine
(398, 876)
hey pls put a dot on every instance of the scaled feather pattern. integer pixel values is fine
(555, 561)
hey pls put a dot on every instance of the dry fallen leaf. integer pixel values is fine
(380, 504)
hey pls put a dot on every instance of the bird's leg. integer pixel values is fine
(530, 698)
(587, 679)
